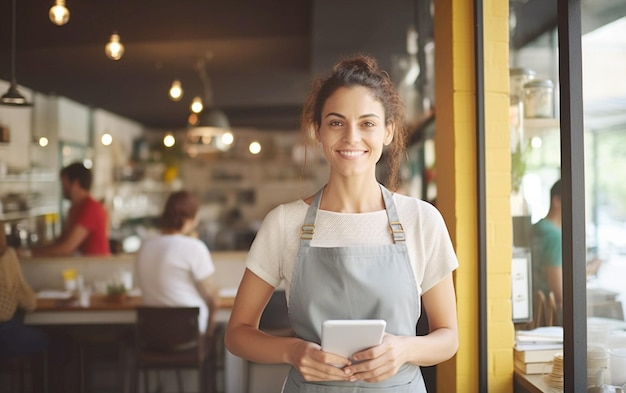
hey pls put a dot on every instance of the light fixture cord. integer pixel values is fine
(13, 80)
(206, 83)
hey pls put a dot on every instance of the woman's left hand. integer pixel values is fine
(381, 362)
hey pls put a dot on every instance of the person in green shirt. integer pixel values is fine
(547, 251)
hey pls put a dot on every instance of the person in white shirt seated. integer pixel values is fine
(176, 269)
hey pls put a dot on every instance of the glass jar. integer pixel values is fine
(518, 77)
(539, 99)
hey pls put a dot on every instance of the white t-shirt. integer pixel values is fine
(168, 267)
(273, 254)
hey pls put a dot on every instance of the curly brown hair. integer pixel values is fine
(361, 70)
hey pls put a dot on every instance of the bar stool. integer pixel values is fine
(18, 367)
(168, 338)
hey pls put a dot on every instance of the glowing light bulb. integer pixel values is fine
(106, 139)
(176, 91)
(228, 138)
(169, 140)
(43, 141)
(59, 14)
(254, 147)
(196, 105)
(114, 48)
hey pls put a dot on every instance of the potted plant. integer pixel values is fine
(116, 292)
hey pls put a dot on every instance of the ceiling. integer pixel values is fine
(259, 66)
(263, 54)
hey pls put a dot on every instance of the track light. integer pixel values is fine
(59, 14)
(114, 48)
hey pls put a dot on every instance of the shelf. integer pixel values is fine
(29, 177)
(25, 214)
(538, 127)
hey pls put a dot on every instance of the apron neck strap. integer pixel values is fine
(396, 229)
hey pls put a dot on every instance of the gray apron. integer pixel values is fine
(361, 282)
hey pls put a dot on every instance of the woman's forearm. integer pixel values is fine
(257, 346)
(434, 348)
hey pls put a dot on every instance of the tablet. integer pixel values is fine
(346, 337)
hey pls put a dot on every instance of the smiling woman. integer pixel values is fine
(341, 237)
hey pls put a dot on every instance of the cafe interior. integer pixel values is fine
(205, 96)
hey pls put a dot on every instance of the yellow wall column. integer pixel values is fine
(455, 143)
(500, 331)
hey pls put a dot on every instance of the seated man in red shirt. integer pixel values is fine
(85, 230)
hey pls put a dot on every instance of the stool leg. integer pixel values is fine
(179, 379)
(145, 381)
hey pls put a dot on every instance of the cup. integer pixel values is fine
(126, 278)
(617, 363)
(597, 365)
(84, 297)
(69, 279)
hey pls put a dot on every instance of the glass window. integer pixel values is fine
(536, 168)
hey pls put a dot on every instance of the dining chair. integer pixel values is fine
(539, 312)
(168, 338)
(552, 313)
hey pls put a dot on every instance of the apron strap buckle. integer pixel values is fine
(307, 231)
(397, 231)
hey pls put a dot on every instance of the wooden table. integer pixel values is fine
(101, 310)
(106, 317)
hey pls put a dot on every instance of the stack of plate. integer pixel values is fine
(555, 378)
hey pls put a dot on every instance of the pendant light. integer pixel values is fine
(212, 124)
(114, 48)
(176, 91)
(59, 14)
(196, 105)
(13, 96)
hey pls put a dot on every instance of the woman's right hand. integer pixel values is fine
(316, 365)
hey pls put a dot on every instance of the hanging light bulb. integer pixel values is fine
(114, 48)
(254, 148)
(176, 91)
(169, 140)
(59, 14)
(196, 105)
(106, 139)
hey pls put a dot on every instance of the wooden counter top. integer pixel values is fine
(101, 310)
(96, 302)
(103, 302)
(525, 383)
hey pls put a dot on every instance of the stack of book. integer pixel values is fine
(535, 349)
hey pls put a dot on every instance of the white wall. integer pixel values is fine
(116, 155)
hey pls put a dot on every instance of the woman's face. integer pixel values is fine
(352, 131)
